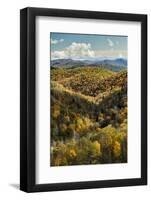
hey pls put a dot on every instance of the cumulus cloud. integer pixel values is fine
(110, 42)
(56, 41)
(75, 51)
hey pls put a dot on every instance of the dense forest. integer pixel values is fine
(88, 116)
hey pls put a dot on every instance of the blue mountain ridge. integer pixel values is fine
(110, 64)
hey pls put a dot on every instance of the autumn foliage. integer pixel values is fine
(88, 116)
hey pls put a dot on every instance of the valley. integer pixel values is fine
(88, 115)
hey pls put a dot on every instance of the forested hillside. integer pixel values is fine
(88, 116)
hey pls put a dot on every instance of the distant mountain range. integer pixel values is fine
(110, 64)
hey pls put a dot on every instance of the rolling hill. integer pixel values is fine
(110, 64)
(88, 116)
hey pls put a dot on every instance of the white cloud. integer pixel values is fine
(75, 51)
(111, 54)
(110, 42)
(58, 54)
(56, 41)
(120, 55)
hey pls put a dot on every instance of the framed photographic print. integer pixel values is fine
(83, 99)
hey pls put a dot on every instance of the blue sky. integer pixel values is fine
(87, 46)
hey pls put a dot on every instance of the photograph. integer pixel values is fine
(83, 99)
(88, 99)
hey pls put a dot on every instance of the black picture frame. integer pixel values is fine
(28, 98)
